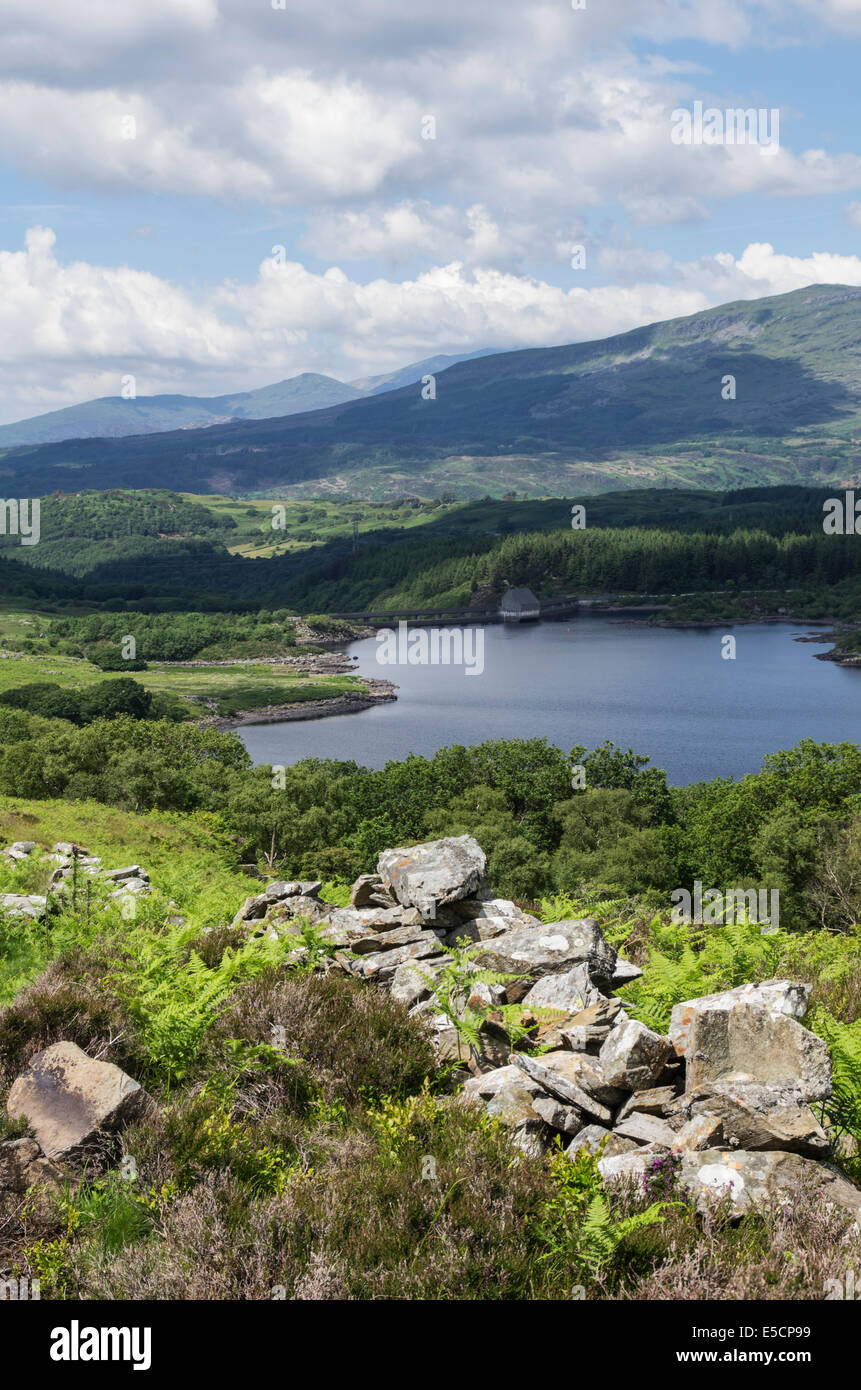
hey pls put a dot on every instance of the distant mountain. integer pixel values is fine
(112, 417)
(405, 376)
(750, 393)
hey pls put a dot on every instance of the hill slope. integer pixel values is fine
(640, 408)
(113, 417)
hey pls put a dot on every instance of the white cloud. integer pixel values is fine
(71, 331)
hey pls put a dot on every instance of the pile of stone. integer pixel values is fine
(722, 1102)
(70, 861)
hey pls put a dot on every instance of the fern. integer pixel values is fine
(843, 1108)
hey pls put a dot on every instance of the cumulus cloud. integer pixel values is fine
(71, 331)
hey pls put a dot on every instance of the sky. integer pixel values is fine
(212, 195)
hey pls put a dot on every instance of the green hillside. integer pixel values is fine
(643, 408)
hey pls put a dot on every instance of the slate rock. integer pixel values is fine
(633, 1056)
(747, 1041)
(753, 1178)
(430, 875)
(68, 1098)
(531, 952)
(783, 997)
(758, 1117)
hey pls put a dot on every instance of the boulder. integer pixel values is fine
(565, 1118)
(629, 1167)
(412, 983)
(530, 952)
(430, 875)
(23, 904)
(755, 1117)
(646, 1129)
(702, 1132)
(382, 965)
(774, 996)
(749, 1179)
(748, 1042)
(131, 871)
(656, 1101)
(561, 1074)
(569, 991)
(485, 1086)
(623, 973)
(69, 1098)
(370, 891)
(593, 1136)
(633, 1057)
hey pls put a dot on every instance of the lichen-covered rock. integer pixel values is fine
(783, 997)
(633, 1056)
(645, 1129)
(658, 1100)
(749, 1042)
(755, 1116)
(569, 991)
(563, 1075)
(749, 1179)
(68, 1098)
(531, 952)
(592, 1137)
(430, 875)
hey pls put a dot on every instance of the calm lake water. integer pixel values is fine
(666, 692)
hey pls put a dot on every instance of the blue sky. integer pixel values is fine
(302, 128)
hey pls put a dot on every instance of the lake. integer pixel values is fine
(665, 692)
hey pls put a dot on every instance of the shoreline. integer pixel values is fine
(380, 692)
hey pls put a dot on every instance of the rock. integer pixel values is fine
(23, 904)
(531, 952)
(413, 983)
(346, 928)
(752, 1178)
(560, 1074)
(279, 889)
(20, 850)
(383, 964)
(68, 848)
(593, 1136)
(633, 1057)
(569, 991)
(758, 1117)
(481, 929)
(132, 887)
(646, 1129)
(589, 1030)
(16, 1155)
(702, 1132)
(626, 1167)
(131, 871)
(774, 996)
(430, 875)
(745, 1041)
(562, 1117)
(370, 891)
(512, 1103)
(68, 1098)
(657, 1101)
(624, 973)
(485, 1086)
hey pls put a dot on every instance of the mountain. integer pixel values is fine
(112, 417)
(644, 408)
(405, 376)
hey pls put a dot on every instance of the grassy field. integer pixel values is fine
(233, 687)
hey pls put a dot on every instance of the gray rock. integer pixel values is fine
(370, 891)
(561, 1075)
(23, 904)
(624, 973)
(570, 991)
(756, 1117)
(657, 1101)
(629, 1167)
(633, 1057)
(430, 875)
(593, 1136)
(646, 1129)
(753, 1178)
(16, 1155)
(130, 871)
(702, 1132)
(382, 965)
(531, 952)
(68, 848)
(783, 997)
(412, 983)
(68, 1098)
(485, 1086)
(748, 1042)
(279, 889)
(562, 1117)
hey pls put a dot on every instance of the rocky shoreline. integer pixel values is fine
(378, 692)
